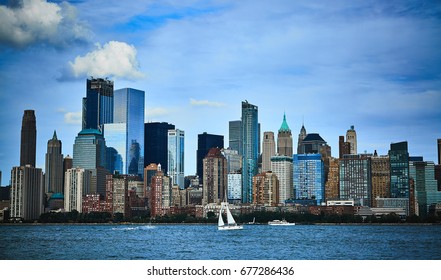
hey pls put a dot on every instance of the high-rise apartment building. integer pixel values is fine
(268, 150)
(176, 157)
(28, 142)
(309, 177)
(380, 178)
(284, 139)
(156, 143)
(76, 185)
(355, 179)
(250, 149)
(205, 143)
(234, 160)
(98, 103)
(332, 185)
(235, 136)
(119, 184)
(266, 189)
(160, 200)
(351, 137)
(234, 187)
(149, 172)
(282, 167)
(89, 152)
(27, 193)
(54, 166)
(215, 177)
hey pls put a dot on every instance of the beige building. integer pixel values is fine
(215, 177)
(266, 189)
(268, 150)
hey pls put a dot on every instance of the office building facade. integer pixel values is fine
(28, 143)
(54, 166)
(98, 103)
(235, 136)
(205, 143)
(355, 179)
(176, 157)
(284, 139)
(282, 167)
(308, 178)
(76, 185)
(250, 149)
(156, 143)
(351, 138)
(268, 150)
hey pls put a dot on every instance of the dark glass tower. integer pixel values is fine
(28, 142)
(205, 143)
(399, 170)
(155, 143)
(250, 149)
(235, 136)
(54, 166)
(98, 104)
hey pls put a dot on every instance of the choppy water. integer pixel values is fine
(205, 242)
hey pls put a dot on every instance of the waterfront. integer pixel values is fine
(205, 242)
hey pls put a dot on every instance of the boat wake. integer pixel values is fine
(148, 227)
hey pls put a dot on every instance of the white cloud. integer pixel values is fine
(156, 112)
(114, 59)
(37, 21)
(73, 117)
(195, 102)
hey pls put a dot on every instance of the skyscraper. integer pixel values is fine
(426, 189)
(439, 151)
(126, 133)
(176, 157)
(282, 167)
(235, 136)
(89, 151)
(54, 166)
(76, 185)
(312, 144)
(302, 136)
(28, 142)
(268, 150)
(355, 179)
(380, 178)
(26, 193)
(399, 170)
(351, 137)
(266, 189)
(156, 143)
(284, 139)
(308, 178)
(215, 177)
(250, 149)
(98, 103)
(344, 148)
(205, 143)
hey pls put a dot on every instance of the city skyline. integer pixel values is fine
(373, 65)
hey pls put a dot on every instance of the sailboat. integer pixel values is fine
(231, 223)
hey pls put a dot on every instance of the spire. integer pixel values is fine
(55, 135)
(284, 126)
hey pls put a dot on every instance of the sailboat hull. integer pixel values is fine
(230, 227)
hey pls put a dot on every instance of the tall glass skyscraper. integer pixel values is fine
(235, 136)
(98, 103)
(399, 170)
(309, 177)
(156, 143)
(126, 133)
(250, 149)
(176, 157)
(356, 179)
(89, 152)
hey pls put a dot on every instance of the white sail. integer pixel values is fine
(230, 219)
(220, 221)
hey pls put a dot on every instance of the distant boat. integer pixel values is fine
(231, 223)
(253, 222)
(280, 223)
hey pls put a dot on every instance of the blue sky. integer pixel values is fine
(372, 64)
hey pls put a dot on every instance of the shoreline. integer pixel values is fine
(211, 224)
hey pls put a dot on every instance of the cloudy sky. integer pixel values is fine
(329, 64)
